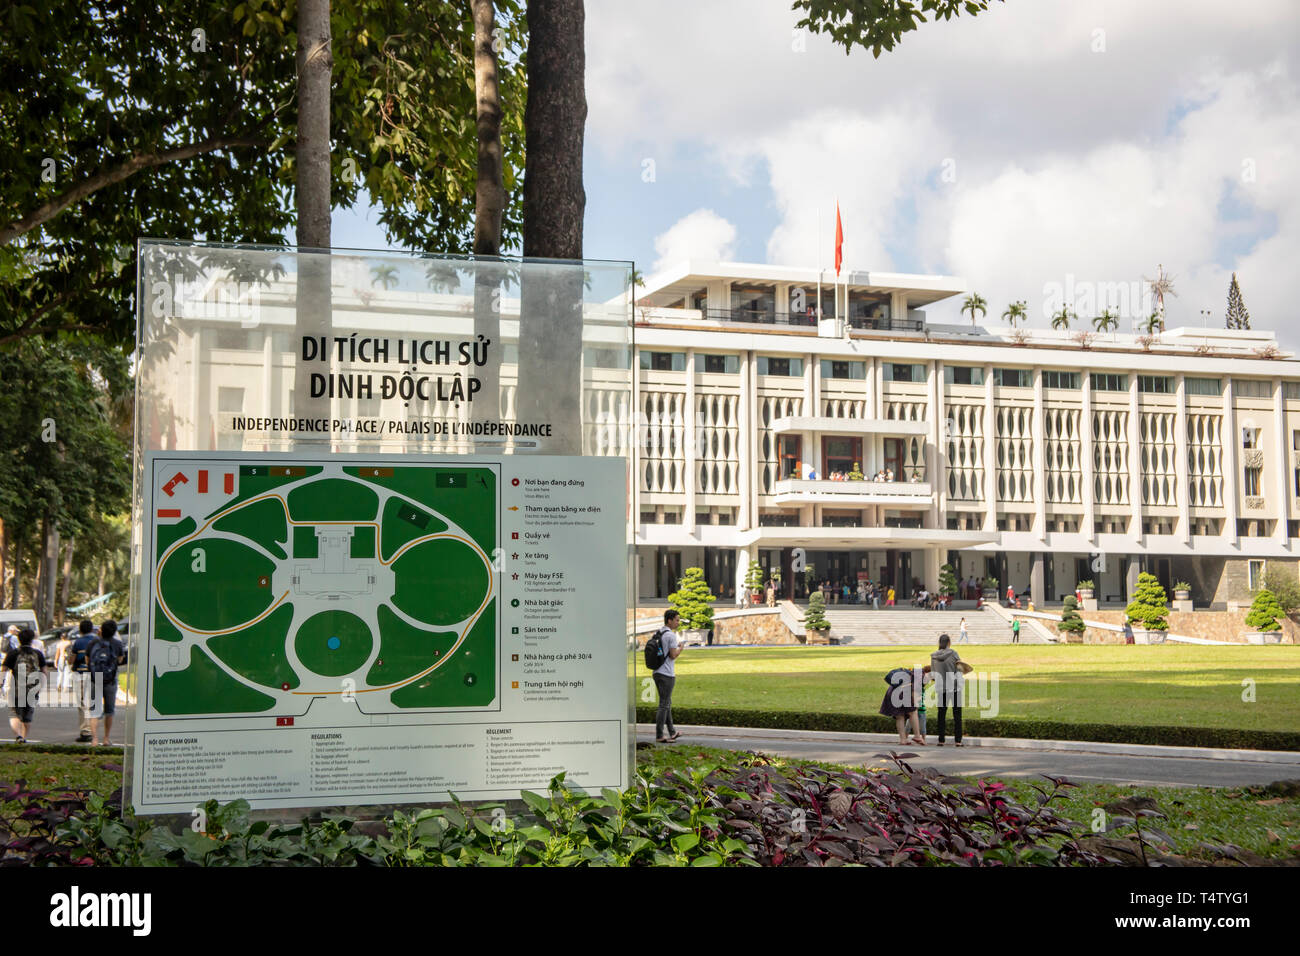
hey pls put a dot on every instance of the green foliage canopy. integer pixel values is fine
(1148, 607)
(693, 600)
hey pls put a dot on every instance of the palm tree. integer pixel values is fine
(1153, 324)
(1017, 311)
(385, 276)
(974, 303)
(1061, 319)
(1105, 322)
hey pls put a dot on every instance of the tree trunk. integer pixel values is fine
(312, 196)
(4, 556)
(67, 577)
(42, 567)
(490, 193)
(51, 590)
(550, 330)
(490, 202)
(18, 570)
(315, 66)
(103, 573)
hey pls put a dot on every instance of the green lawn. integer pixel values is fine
(1192, 686)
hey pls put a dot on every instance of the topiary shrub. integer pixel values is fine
(815, 619)
(1148, 606)
(754, 576)
(693, 601)
(1264, 612)
(1071, 623)
(947, 580)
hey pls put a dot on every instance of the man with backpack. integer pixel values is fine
(81, 678)
(103, 655)
(661, 651)
(27, 665)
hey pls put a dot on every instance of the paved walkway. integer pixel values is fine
(1111, 763)
(1001, 757)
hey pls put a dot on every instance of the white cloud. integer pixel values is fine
(702, 234)
(1068, 160)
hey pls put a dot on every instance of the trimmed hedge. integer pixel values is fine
(62, 749)
(1224, 737)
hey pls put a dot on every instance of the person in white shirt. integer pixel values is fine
(964, 636)
(665, 676)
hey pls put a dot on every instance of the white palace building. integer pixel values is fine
(1034, 456)
(1037, 457)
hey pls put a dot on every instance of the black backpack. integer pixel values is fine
(101, 657)
(654, 650)
(29, 660)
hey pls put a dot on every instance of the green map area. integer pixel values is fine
(370, 584)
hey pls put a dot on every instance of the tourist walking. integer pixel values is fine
(1015, 630)
(665, 676)
(103, 655)
(964, 636)
(771, 593)
(948, 670)
(28, 668)
(82, 682)
(889, 597)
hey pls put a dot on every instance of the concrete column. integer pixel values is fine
(640, 429)
(1036, 579)
(897, 306)
(1135, 463)
(1182, 474)
(1131, 580)
(935, 452)
(990, 455)
(690, 453)
(1231, 471)
(200, 382)
(1085, 454)
(873, 387)
(1039, 432)
(1283, 459)
(743, 557)
(745, 443)
(270, 392)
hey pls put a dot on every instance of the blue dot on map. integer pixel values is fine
(333, 643)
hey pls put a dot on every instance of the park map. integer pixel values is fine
(275, 584)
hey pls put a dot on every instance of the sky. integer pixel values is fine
(1044, 150)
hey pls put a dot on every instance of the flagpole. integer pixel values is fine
(817, 312)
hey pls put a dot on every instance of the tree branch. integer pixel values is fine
(135, 164)
(41, 330)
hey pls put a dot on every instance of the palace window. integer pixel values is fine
(1055, 379)
(1252, 387)
(718, 364)
(1013, 377)
(896, 372)
(963, 375)
(1203, 386)
(834, 368)
(780, 366)
(664, 361)
(1253, 482)
(1156, 384)
(1291, 389)
(1250, 438)
(1109, 382)
(1254, 574)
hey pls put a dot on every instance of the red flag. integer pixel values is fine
(839, 240)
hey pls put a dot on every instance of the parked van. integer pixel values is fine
(23, 618)
(20, 616)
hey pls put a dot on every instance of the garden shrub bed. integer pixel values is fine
(1223, 737)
